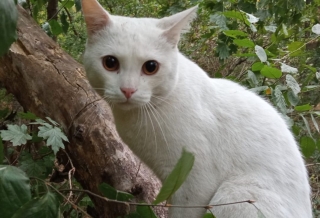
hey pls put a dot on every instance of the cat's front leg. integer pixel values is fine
(188, 199)
(186, 212)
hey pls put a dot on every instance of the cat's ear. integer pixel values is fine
(177, 24)
(95, 16)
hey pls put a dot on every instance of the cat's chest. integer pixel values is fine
(152, 136)
(143, 127)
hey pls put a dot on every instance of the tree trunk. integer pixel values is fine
(48, 82)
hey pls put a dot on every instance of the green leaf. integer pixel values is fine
(41, 122)
(146, 212)
(8, 24)
(55, 27)
(52, 121)
(33, 168)
(284, 29)
(4, 113)
(237, 15)
(113, 193)
(292, 83)
(14, 190)
(86, 201)
(293, 46)
(247, 43)
(222, 50)
(54, 137)
(308, 146)
(35, 11)
(252, 79)
(257, 66)
(310, 88)
(234, 14)
(249, 7)
(235, 33)
(296, 130)
(36, 138)
(64, 22)
(279, 100)
(208, 215)
(305, 107)
(47, 206)
(296, 48)
(260, 52)
(16, 134)
(271, 72)
(292, 98)
(219, 19)
(78, 5)
(288, 69)
(68, 3)
(176, 177)
(306, 123)
(313, 69)
(27, 116)
(315, 123)
(259, 89)
(318, 144)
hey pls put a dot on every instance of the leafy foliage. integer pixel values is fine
(14, 190)
(54, 137)
(19, 135)
(8, 23)
(16, 134)
(45, 206)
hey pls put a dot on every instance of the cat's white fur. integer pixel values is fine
(243, 148)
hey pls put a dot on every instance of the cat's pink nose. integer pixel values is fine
(128, 92)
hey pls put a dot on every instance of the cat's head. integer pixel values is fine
(132, 61)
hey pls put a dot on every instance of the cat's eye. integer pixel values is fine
(110, 63)
(150, 67)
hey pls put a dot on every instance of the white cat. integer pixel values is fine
(162, 102)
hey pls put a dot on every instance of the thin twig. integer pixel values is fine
(310, 165)
(71, 171)
(298, 48)
(158, 205)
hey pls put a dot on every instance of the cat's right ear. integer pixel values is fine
(95, 16)
(177, 24)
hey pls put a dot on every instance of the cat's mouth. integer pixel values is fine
(128, 104)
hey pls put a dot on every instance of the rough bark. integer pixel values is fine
(49, 83)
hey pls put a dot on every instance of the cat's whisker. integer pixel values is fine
(155, 112)
(163, 100)
(140, 113)
(159, 109)
(154, 130)
(146, 129)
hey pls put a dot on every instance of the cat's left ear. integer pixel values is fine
(177, 24)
